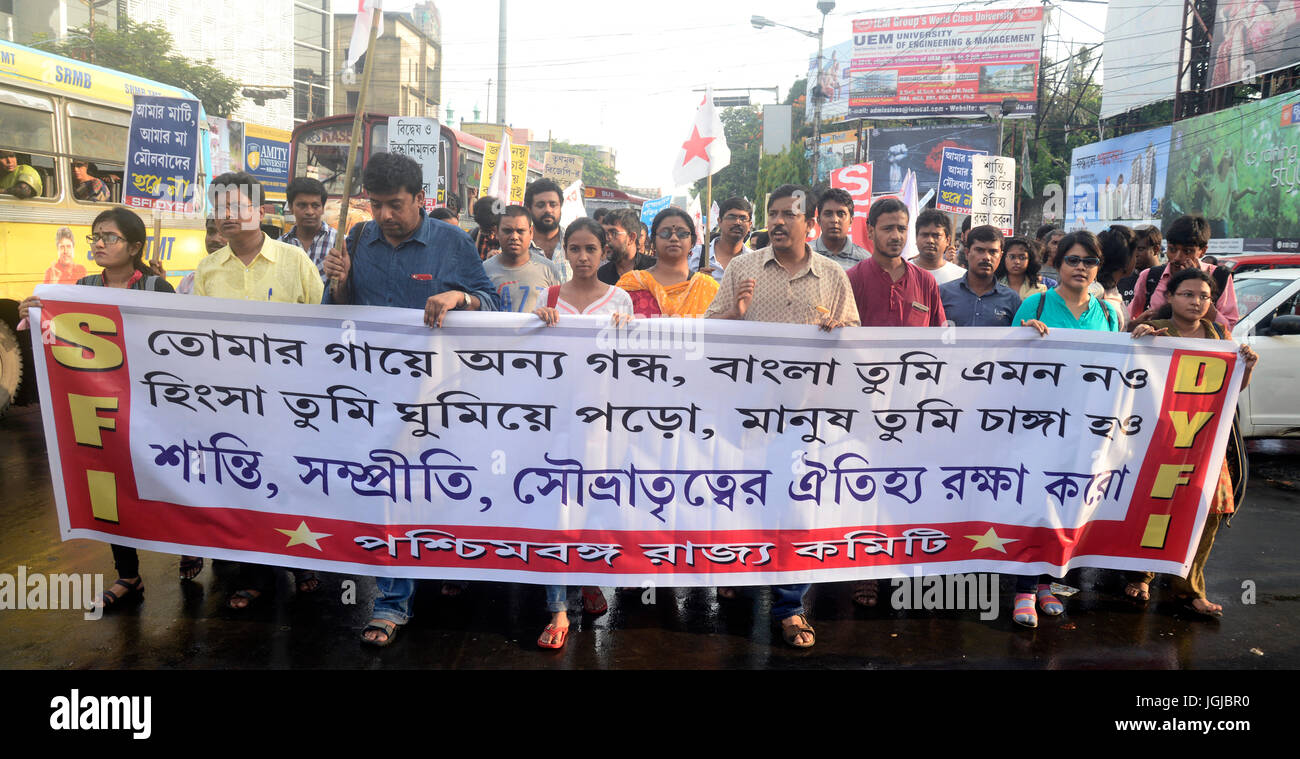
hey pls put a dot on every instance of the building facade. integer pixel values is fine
(407, 77)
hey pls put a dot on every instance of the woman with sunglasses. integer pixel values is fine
(117, 243)
(1069, 305)
(583, 295)
(1186, 315)
(668, 288)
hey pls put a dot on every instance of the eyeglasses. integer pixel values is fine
(1018, 257)
(733, 218)
(670, 233)
(108, 237)
(1081, 261)
(1202, 297)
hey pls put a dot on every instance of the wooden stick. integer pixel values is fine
(340, 240)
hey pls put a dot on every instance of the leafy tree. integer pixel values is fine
(147, 50)
(787, 167)
(595, 172)
(743, 130)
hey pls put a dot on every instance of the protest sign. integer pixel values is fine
(994, 198)
(162, 155)
(418, 138)
(856, 181)
(955, 180)
(518, 170)
(651, 208)
(565, 169)
(266, 156)
(679, 451)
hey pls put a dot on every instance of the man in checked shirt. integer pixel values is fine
(306, 198)
(786, 282)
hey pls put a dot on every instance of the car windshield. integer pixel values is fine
(1252, 292)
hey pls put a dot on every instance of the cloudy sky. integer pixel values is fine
(622, 73)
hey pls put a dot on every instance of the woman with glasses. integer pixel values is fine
(1069, 305)
(1019, 268)
(117, 242)
(1185, 315)
(583, 295)
(668, 288)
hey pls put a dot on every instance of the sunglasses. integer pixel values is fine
(108, 237)
(673, 233)
(1081, 261)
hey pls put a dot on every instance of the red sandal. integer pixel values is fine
(553, 637)
(593, 601)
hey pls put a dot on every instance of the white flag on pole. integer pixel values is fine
(908, 195)
(705, 151)
(499, 187)
(366, 11)
(572, 209)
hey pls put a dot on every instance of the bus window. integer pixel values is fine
(27, 137)
(322, 154)
(98, 140)
(379, 137)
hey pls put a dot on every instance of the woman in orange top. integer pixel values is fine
(668, 288)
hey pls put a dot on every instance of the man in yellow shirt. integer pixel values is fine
(253, 266)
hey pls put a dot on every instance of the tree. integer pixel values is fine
(787, 167)
(147, 50)
(595, 172)
(743, 130)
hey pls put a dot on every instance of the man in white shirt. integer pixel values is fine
(933, 232)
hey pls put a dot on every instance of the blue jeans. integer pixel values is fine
(557, 598)
(787, 600)
(393, 602)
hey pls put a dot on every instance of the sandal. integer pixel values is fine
(1190, 605)
(386, 627)
(593, 601)
(553, 637)
(1023, 612)
(866, 593)
(249, 596)
(1050, 604)
(134, 591)
(1138, 592)
(191, 566)
(790, 633)
(308, 582)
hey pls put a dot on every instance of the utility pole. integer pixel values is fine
(501, 65)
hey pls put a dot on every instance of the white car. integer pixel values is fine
(1269, 303)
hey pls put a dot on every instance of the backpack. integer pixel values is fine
(1153, 275)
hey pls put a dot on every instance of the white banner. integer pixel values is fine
(993, 192)
(687, 452)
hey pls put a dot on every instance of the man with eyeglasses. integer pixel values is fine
(622, 235)
(736, 216)
(1187, 240)
(835, 219)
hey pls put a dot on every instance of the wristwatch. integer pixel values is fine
(467, 301)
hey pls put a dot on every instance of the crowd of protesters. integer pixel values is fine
(519, 258)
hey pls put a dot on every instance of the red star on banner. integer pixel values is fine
(696, 146)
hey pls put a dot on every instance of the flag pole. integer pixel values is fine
(340, 241)
(708, 206)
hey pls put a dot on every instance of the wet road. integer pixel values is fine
(495, 626)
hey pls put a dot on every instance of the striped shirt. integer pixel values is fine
(320, 245)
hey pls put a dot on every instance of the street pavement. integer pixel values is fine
(1254, 572)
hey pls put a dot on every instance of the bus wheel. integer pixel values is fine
(11, 366)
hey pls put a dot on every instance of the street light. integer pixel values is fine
(999, 112)
(815, 91)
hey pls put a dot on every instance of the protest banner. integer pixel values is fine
(419, 138)
(994, 198)
(651, 208)
(162, 155)
(955, 180)
(1119, 181)
(518, 170)
(681, 451)
(945, 63)
(266, 157)
(565, 169)
(856, 181)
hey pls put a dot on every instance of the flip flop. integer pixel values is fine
(389, 629)
(307, 582)
(790, 633)
(553, 637)
(866, 593)
(190, 567)
(250, 595)
(1138, 592)
(593, 601)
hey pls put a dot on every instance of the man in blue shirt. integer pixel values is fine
(404, 259)
(976, 299)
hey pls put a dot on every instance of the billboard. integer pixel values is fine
(1253, 37)
(1119, 181)
(1140, 54)
(836, 150)
(835, 82)
(1241, 169)
(945, 64)
(920, 149)
(266, 157)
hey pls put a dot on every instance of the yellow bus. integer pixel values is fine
(54, 111)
